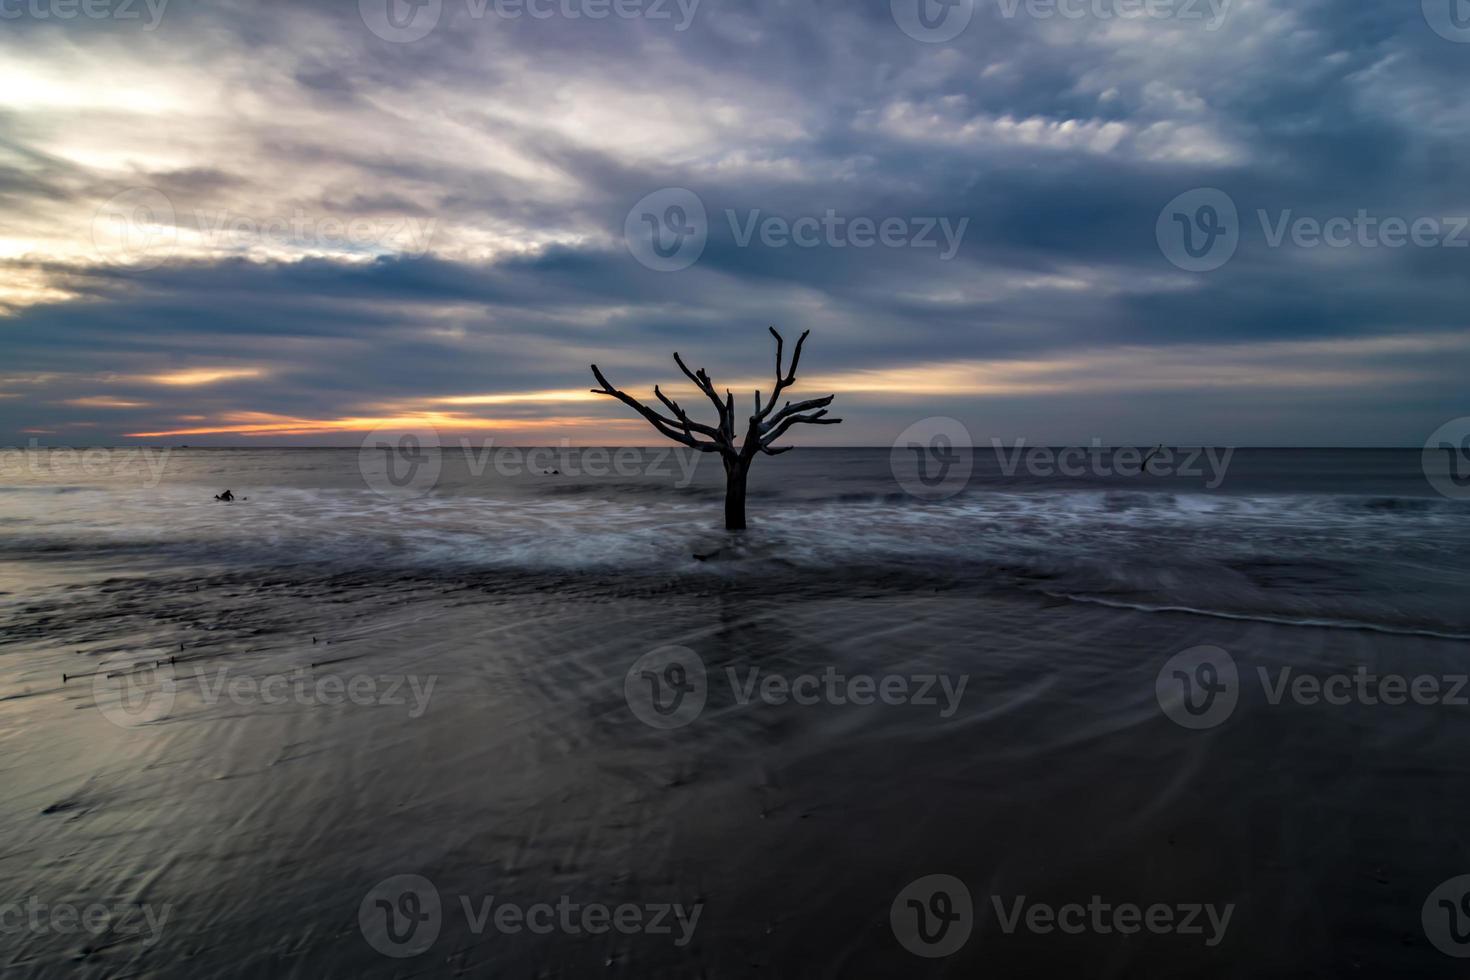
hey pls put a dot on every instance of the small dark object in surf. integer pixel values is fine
(225, 497)
(1143, 467)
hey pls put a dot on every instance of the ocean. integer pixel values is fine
(367, 701)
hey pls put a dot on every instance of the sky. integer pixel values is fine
(1228, 222)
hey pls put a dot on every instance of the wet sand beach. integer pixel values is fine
(491, 747)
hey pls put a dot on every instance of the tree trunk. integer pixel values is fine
(735, 472)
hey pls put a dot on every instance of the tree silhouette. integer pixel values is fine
(764, 428)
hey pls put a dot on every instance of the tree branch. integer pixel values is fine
(783, 381)
(764, 428)
(791, 409)
(702, 382)
(684, 418)
(816, 418)
(666, 426)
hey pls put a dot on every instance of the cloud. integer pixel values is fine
(102, 401)
(281, 226)
(192, 377)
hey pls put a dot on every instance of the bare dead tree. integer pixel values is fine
(762, 430)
